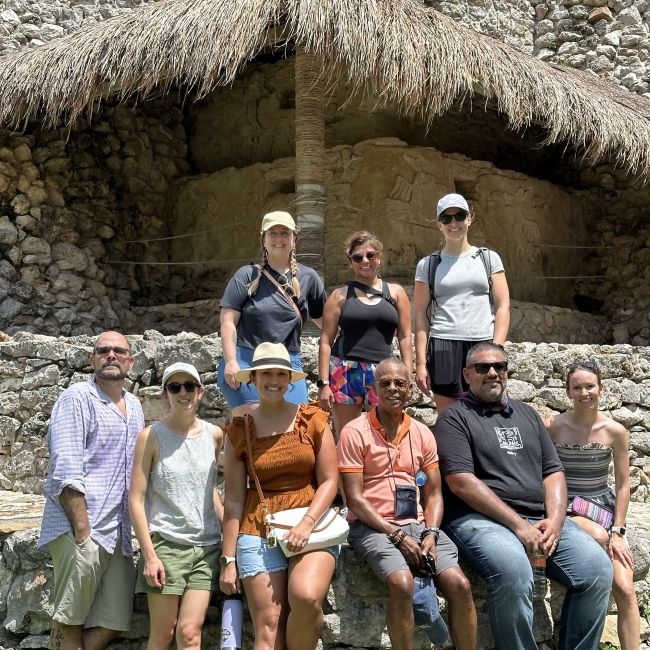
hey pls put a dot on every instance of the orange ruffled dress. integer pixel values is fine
(285, 465)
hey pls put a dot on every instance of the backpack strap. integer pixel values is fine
(434, 262)
(484, 254)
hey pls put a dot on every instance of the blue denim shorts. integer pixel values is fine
(247, 393)
(255, 557)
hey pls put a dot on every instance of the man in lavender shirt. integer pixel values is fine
(86, 523)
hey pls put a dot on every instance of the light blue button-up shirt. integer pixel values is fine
(91, 446)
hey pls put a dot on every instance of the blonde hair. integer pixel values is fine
(251, 289)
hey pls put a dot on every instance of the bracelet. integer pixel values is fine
(310, 517)
(431, 530)
(397, 537)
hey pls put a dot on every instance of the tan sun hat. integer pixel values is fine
(277, 218)
(270, 356)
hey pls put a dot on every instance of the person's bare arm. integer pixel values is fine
(331, 315)
(217, 434)
(404, 336)
(421, 299)
(235, 477)
(229, 321)
(74, 505)
(146, 451)
(433, 508)
(501, 297)
(618, 546)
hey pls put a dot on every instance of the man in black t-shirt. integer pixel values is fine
(505, 502)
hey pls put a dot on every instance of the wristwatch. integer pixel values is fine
(225, 560)
(619, 530)
(321, 383)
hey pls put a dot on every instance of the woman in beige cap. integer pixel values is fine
(177, 512)
(293, 453)
(461, 298)
(269, 301)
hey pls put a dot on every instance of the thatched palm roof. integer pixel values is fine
(409, 54)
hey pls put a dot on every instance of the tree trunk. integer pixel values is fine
(310, 160)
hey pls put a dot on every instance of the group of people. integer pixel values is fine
(491, 485)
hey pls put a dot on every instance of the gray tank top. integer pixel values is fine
(179, 503)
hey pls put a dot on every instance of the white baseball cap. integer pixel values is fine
(451, 201)
(177, 368)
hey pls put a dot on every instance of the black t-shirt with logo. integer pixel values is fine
(510, 451)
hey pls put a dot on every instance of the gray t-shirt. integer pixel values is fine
(268, 316)
(462, 309)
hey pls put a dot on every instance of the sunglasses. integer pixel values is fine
(283, 281)
(587, 365)
(174, 387)
(484, 368)
(447, 218)
(400, 384)
(105, 350)
(357, 258)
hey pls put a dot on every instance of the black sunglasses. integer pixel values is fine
(105, 350)
(458, 216)
(484, 368)
(357, 258)
(174, 387)
(588, 365)
(283, 281)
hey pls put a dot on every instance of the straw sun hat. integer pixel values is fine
(270, 356)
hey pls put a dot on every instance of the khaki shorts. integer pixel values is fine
(186, 567)
(384, 558)
(92, 587)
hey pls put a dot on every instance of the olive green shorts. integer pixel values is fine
(186, 567)
(92, 587)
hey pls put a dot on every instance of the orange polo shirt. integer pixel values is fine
(363, 448)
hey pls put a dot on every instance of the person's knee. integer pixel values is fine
(624, 593)
(306, 603)
(454, 585)
(162, 635)
(400, 586)
(600, 535)
(188, 634)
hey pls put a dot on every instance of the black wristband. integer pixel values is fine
(321, 383)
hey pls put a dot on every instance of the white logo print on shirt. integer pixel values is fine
(509, 438)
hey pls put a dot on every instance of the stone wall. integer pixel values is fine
(30, 23)
(608, 37)
(70, 202)
(34, 370)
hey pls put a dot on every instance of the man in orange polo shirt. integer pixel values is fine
(379, 455)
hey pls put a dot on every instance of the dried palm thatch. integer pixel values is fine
(406, 53)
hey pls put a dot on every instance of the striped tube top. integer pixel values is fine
(586, 468)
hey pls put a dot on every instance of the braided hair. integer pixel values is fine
(251, 289)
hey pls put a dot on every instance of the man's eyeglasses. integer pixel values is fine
(174, 387)
(105, 350)
(357, 258)
(400, 384)
(484, 368)
(457, 216)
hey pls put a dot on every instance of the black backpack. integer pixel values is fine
(434, 262)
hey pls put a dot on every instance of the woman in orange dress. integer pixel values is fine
(294, 456)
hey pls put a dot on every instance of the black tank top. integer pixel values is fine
(366, 331)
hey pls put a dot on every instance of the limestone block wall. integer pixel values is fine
(389, 188)
(34, 369)
(71, 200)
(30, 23)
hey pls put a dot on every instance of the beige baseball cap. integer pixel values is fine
(277, 218)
